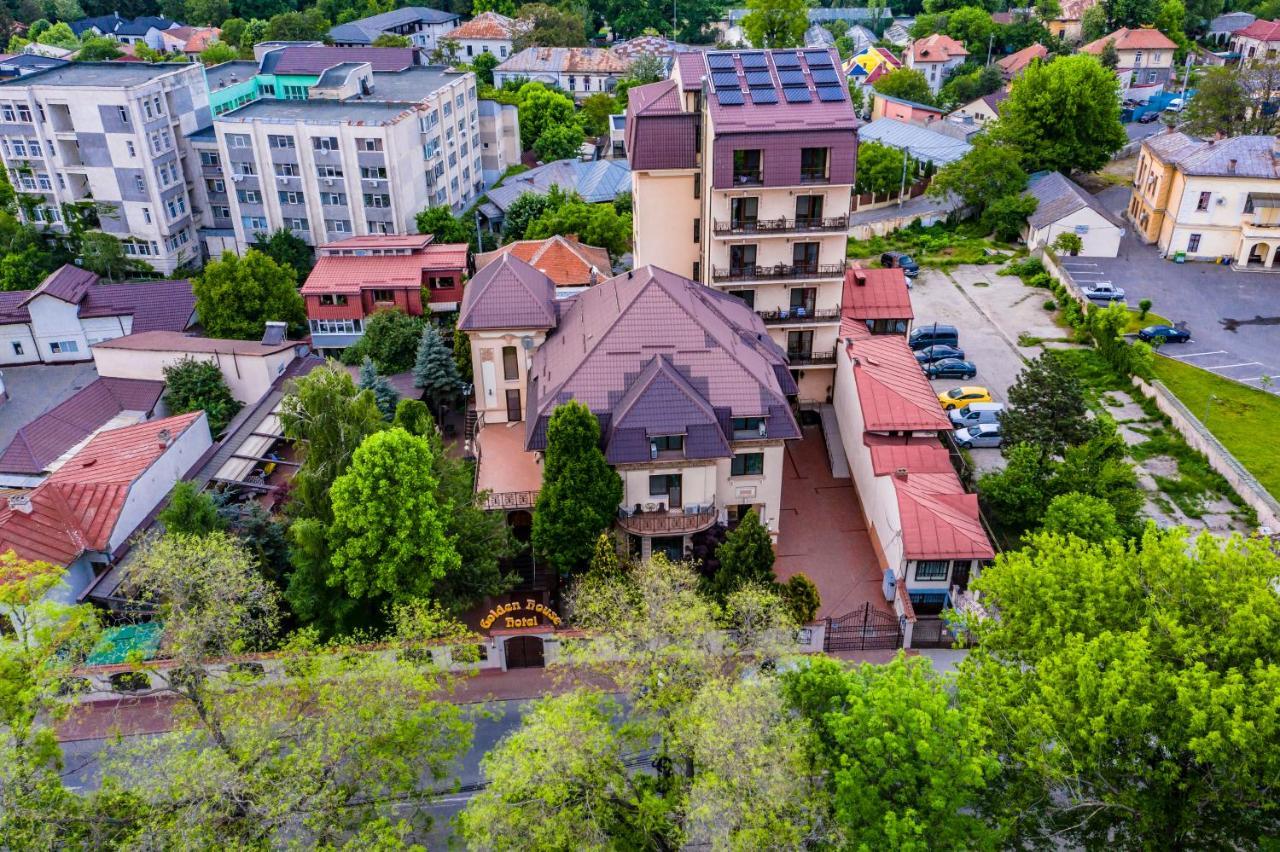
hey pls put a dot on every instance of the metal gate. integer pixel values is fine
(524, 652)
(862, 630)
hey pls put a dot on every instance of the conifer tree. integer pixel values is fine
(383, 394)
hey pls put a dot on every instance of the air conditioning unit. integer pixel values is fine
(651, 507)
(237, 178)
(328, 181)
(282, 178)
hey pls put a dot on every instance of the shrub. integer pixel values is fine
(1049, 304)
(1143, 307)
(801, 598)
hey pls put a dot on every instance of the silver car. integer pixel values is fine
(982, 435)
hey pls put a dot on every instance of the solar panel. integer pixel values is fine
(830, 93)
(824, 76)
(786, 60)
(724, 79)
(753, 60)
(756, 79)
(730, 97)
(720, 61)
(764, 96)
(818, 58)
(791, 78)
(796, 95)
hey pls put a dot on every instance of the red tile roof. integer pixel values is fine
(876, 294)
(1127, 39)
(1014, 63)
(919, 455)
(485, 26)
(892, 389)
(1261, 30)
(564, 260)
(936, 48)
(352, 273)
(77, 508)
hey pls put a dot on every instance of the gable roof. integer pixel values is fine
(936, 48)
(351, 273)
(566, 60)
(659, 133)
(52, 434)
(1060, 196)
(68, 283)
(564, 260)
(597, 181)
(875, 294)
(892, 390)
(1144, 38)
(489, 26)
(166, 305)
(1236, 156)
(662, 401)
(1261, 30)
(365, 30)
(1015, 63)
(508, 293)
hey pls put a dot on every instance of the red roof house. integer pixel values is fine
(878, 298)
(1015, 63)
(567, 262)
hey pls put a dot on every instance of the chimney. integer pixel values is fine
(860, 278)
(20, 503)
(901, 473)
(1231, 167)
(595, 276)
(165, 438)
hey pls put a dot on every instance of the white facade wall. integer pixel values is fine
(470, 48)
(488, 375)
(158, 480)
(17, 346)
(248, 377)
(662, 202)
(579, 86)
(57, 323)
(1101, 237)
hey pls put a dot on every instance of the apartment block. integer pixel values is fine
(751, 155)
(110, 136)
(354, 151)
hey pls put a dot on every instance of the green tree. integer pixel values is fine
(580, 492)
(236, 296)
(388, 539)
(103, 254)
(217, 53)
(604, 559)
(207, 13)
(59, 35)
(559, 142)
(413, 416)
(1005, 217)
(383, 394)
(746, 556)
(1063, 116)
(1129, 13)
(1116, 682)
(191, 385)
(98, 49)
(23, 269)
(543, 25)
(905, 763)
(540, 110)
(594, 224)
(434, 369)
(190, 511)
(1093, 23)
(776, 23)
(1047, 408)
(391, 40)
(297, 26)
(1082, 515)
(286, 249)
(880, 169)
(801, 597)
(462, 355)
(233, 30)
(1068, 243)
(973, 26)
(443, 225)
(1109, 57)
(987, 172)
(527, 207)
(595, 112)
(483, 66)
(390, 339)
(1225, 102)
(1017, 496)
(907, 84)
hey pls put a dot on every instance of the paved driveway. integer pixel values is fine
(35, 389)
(1234, 317)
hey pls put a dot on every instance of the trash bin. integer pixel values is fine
(1180, 257)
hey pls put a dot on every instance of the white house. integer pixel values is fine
(488, 32)
(1065, 208)
(935, 57)
(580, 71)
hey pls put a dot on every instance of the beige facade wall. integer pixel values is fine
(665, 212)
(248, 377)
(491, 383)
(1101, 238)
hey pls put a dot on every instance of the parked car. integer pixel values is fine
(932, 334)
(1103, 291)
(1175, 105)
(1168, 333)
(950, 368)
(976, 413)
(962, 396)
(982, 435)
(1148, 117)
(937, 353)
(899, 260)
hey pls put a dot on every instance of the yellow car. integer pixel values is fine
(960, 397)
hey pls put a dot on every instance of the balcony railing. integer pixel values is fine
(810, 359)
(782, 226)
(748, 178)
(795, 315)
(675, 522)
(813, 175)
(781, 271)
(511, 500)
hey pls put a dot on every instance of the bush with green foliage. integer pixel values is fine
(384, 395)
(745, 557)
(801, 597)
(191, 385)
(390, 339)
(190, 511)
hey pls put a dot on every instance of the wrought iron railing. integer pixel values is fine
(798, 315)
(666, 523)
(782, 226)
(779, 272)
(803, 359)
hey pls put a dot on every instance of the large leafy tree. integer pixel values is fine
(217, 53)
(543, 25)
(527, 208)
(1047, 407)
(206, 13)
(559, 142)
(1231, 100)
(1129, 13)
(1063, 116)
(98, 49)
(443, 225)
(191, 511)
(483, 65)
(580, 492)
(973, 26)
(389, 340)
(540, 110)
(191, 385)
(881, 169)
(1131, 691)
(989, 171)
(594, 224)
(905, 83)
(102, 253)
(776, 23)
(905, 764)
(236, 296)
(285, 248)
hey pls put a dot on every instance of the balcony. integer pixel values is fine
(798, 315)
(1260, 225)
(811, 359)
(690, 519)
(781, 226)
(748, 178)
(816, 175)
(780, 272)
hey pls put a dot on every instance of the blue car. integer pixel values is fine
(1169, 333)
(950, 368)
(938, 352)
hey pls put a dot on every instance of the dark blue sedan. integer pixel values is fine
(938, 352)
(950, 368)
(1168, 333)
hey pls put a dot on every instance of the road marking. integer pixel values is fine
(1230, 366)
(1200, 354)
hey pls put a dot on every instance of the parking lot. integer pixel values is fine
(1234, 317)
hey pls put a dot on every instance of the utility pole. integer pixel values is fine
(479, 236)
(991, 38)
(1186, 78)
(903, 190)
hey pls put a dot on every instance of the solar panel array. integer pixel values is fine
(764, 96)
(727, 79)
(817, 58)
(786, 60)
(729, 97)
(753, 60)
(830, 93)
(759, 79)
(824, 76)
(796, 95)
(720, 61)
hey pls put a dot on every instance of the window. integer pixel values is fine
(804, 256)
(378, 201)
(247, 169)
(17, 348)
(368, 144)
(324, 143)
(667, 443)
(748, 427)
(808, 211)
(254, 223)
(747, 296)
(207, 158)
(333, 300)
(440, 283)
(573, 83)
(139, 184)
(932, 569)
(292, 198)
(813, 164)
(286, 169)
(747, 464)
(297, 223)
(146, 215)
(59, 346)
(248, 196)
(667, 485)
(1193, 242)
(217, 185)
(238, 140)
(373, 172)
(799, 345)
(42, 181)
(1203, 203)
(221, 211)
(281, 142)
(697, 231)
(803, 300)
(24, 113)
(329, 171)
(176, 207)
(384, 296)
(742, 260)
(122, 111)
(146, 107)
(510, 364)
(333, 199)
(19, 148)
(336, 326)
(746, 167)
(697, 186)
(1137, 59)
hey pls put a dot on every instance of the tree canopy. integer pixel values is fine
(236, 296)
(907, 84)
(989, 171)
(776, 23)
(191, 385)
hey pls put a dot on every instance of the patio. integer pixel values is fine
(511, 474)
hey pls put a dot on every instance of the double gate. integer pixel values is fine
(863, 630)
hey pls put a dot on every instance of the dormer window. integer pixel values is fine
(660, 445)
(746, 428)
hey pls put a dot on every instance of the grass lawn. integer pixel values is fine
(1242, 418)
(939, 246)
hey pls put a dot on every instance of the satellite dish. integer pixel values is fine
(526, 342)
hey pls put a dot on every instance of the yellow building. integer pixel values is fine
(1209, 199)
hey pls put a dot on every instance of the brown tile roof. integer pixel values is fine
(508, 294)
(1261, 30)
(566, 60)
(1015, 63)
(567, 262)
(175, 341)
(1073, 10)
(68, 283)
(490, 26)
(936, 48)
(1128, 39)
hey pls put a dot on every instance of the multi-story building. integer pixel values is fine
(422, 26)
(356, 277)
(499, 139)
(935, 57)
(580, 71)
(356, 151)
(751, 155)
(1258, 42)
(1209, 199)
(110, 137)
(488, 32)
(693, 408)
(1146, 59)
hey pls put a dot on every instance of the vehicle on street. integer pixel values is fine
(934, 333)
(1103, 291)
(937, 353)
(982, 435)
(1167, 333)
(950, 368)
(962, 396)
(1149, 117)
(1175, 105)
(976, 413)
(900, 260)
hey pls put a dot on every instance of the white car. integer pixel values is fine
(982, 435)
(1175, 105)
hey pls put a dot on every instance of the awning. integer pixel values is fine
(121, 644)
(1264, 199)
(490, 211)
(255, 445)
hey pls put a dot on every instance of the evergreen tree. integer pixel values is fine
(745, 557)
(190, 512)
(192, 385)
(434, 369)
(462, 353)
(383, 394)
(604, 560)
